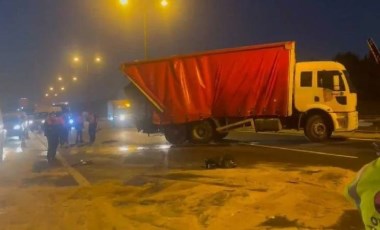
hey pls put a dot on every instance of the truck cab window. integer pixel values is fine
(306, 79)
(326, 80)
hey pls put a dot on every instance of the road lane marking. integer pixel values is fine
(363, 139)
(305, 151)
(301, 135)
(79, 178)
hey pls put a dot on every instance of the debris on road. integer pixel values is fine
(225, 161)
(83, 162)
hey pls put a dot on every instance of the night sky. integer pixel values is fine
(38, 38)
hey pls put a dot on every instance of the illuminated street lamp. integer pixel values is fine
(62, 88)
(51, 88)
(60, 78)
(56, 94)
(85, 63)
(46, 94)
(164, 3)
(76, 59)
(123, 2)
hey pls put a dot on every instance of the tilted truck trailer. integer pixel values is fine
(203, 96)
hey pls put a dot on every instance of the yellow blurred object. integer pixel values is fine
(123, 2)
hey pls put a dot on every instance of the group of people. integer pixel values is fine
(57, 128)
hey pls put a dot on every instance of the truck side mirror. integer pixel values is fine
(336, 83)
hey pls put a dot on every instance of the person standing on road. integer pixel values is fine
(364, 192)
(79, 125)
(92, 126)
(64, 137)
(52, 129)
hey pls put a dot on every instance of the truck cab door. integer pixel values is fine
(322, 87)
(332, 90)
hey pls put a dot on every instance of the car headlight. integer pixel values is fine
(16, 127)
(43, 121)
(71, 121)
(30, 122)
(122, 117)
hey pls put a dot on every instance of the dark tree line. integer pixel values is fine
(364, 73)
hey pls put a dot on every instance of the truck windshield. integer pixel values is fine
(349, 82)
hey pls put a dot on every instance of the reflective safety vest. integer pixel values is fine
(364, 191)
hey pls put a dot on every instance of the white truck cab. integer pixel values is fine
(323, 90)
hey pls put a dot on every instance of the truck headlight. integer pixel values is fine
(17, 127)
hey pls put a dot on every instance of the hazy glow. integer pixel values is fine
(164, 3)
(123, 2)
(164, 146)
(123, 148)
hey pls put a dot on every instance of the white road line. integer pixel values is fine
(299, 134)
(305, 151)
(79, 178)
(363, 139)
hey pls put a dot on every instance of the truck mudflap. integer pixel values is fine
(345, 122)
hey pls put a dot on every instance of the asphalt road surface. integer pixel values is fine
(122, 153)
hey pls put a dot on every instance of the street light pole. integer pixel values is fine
(164, 3)
(145, 35)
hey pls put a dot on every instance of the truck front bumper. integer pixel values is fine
(344, 122)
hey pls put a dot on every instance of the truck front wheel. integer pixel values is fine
(176, 134)
(202, 132)
(317, 128)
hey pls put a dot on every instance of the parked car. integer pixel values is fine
(15, 125)
(2, 137)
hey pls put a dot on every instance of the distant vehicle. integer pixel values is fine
(120, 111)
(201, 97)
(64, 106)
(2, 137)
(38, 121)
(15, 125)
(40, 116)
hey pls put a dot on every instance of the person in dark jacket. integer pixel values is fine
(92, 126)
(65, 130)
(79, 125)
(53, 128)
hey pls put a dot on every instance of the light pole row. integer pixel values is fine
(164, 3)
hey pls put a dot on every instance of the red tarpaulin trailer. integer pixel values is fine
(236, 83)
(201, 97)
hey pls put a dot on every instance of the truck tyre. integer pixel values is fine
(176, 134)
(202, 132)
(317, 129)
(219, 136)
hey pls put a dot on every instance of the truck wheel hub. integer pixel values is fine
(319, 129)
